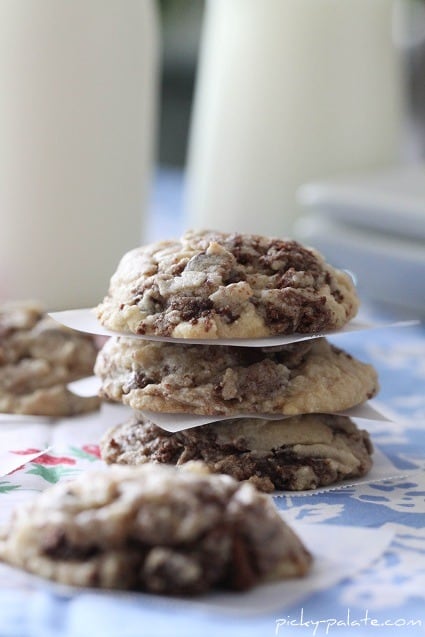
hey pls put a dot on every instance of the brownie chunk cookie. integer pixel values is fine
(304, 377)
(154, 528)
(38, 357)
(301, 452)
(217, 285)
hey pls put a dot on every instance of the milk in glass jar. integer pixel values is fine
(288, 91)
(77, 140)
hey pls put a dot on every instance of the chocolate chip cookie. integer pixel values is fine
(217, 285)
(38, 357)
(154, 528)
(297, 453)
(305, 377)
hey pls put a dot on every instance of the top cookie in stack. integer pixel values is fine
(215, 285)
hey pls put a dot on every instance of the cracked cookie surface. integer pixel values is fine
(305, 377)
(217, 285)
(154, 528)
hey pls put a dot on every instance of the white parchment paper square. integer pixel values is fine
(84, 320)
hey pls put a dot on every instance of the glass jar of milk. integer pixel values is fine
(288, 91)
(77, 123)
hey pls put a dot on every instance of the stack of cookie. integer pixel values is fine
(38, 358)
(192, 301)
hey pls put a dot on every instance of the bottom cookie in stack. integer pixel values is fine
(296, 453)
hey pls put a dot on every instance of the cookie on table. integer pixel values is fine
(154, 528)
(217, 285)
(297, 453)
(305, 377)
(38, 358)
(53, 402)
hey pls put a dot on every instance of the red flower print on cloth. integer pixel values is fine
(45, 458)
(92, 450)
(88, 452)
